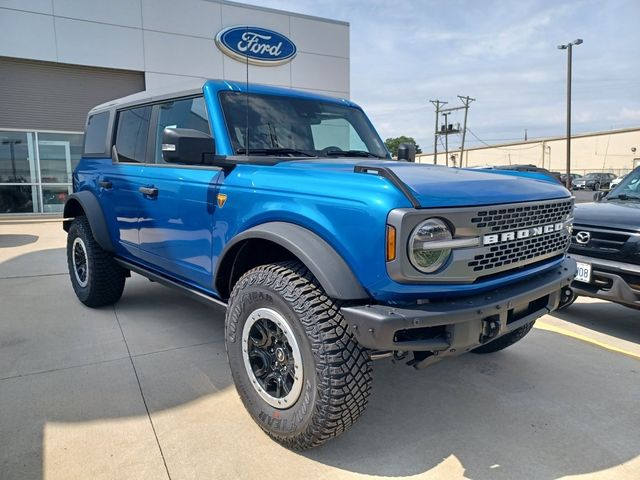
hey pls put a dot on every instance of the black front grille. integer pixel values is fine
(515, 217)
(520, 250)
(606, 242)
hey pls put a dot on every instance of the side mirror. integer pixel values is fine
(598, 196)
(186, 145)
(407, 152)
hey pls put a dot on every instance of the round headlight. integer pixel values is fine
(424, 257)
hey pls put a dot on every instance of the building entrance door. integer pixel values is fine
(55, 173)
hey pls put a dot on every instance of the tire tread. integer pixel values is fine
(106, 277)
(343, 367)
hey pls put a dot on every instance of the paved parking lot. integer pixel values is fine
(143, 390)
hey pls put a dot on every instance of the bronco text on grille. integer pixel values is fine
(525, 234)
(519, 234)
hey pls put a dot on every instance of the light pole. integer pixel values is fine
(568, 47)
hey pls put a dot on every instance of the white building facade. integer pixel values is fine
(59, 58)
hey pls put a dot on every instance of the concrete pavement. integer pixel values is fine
(143, 390)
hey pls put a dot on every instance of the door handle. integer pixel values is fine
(149, 191)
(106, 184)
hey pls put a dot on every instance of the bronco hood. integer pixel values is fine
(437, 186)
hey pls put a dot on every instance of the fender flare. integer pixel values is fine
(329, 268)
(93, 211)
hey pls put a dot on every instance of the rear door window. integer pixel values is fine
(95, 137)
(132, 134)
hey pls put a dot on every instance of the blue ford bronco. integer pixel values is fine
(286, 208)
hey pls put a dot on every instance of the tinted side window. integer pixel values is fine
(186, 113)
(131, 137)
(95, 138)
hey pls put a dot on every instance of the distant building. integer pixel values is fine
(615, 151)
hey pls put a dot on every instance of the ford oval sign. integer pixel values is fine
(255, 45)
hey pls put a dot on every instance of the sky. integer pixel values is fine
(502, 53)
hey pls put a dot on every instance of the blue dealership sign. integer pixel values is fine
(256, 45)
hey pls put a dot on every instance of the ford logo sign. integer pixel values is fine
(255, 45)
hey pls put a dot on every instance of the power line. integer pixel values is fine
(537, 145)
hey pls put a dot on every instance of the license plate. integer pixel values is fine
(584, 272)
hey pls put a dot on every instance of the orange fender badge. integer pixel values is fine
(222, 199)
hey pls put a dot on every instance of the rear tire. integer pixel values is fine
(96, 277)
(505, 341)
(596, 187)
(297, 368)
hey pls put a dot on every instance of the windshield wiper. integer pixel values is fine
(351, 153)
(624, 196)
(273, 151)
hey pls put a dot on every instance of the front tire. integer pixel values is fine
(505, 340)
(96, 277)
(297, 368)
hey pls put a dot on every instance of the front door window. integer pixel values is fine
(186, 113)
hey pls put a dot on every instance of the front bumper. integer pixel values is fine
(610, 281)
(457, 326)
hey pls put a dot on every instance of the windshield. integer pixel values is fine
(591, 176)
(279, 125)
(629, 187)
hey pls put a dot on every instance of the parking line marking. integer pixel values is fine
(563, 331)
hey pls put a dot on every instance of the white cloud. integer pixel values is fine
(625, 113)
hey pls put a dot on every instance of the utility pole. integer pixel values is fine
(466, 101)
(446, 135)
(525, 134)
(437, 104)
(568, 47)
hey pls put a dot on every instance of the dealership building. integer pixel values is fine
(59, 58)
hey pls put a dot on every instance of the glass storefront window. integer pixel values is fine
(53, 198)
(59, 154)
(18, 199)
(36, 170)
(16, 157)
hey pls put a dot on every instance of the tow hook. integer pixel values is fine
(490, 328)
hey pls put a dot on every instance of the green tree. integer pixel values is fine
(392, 144)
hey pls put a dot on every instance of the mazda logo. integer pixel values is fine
(583, 237)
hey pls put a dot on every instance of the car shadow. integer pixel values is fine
(8, 240)
(50, 261)
(521, 413)
(605, 317)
